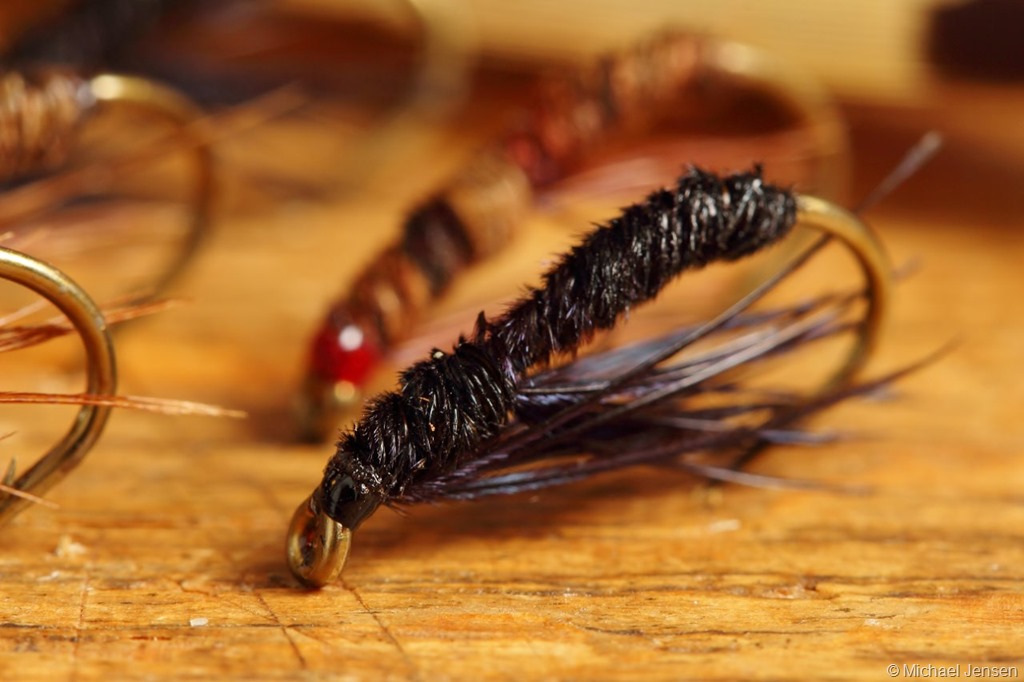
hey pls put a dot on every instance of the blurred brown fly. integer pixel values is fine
(573, 118)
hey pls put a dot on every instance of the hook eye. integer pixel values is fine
(316, 546)
(88, 321)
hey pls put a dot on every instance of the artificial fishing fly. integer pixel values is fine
(487, 418)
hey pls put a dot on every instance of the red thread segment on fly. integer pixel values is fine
(466, 222)
(448, 406)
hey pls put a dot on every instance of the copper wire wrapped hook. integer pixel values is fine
(40, 116)
(88, 321)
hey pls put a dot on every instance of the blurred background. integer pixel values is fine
(344, 95)
(331, 120)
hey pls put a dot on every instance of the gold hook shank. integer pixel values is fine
(180, 111)
(88, 321)
(837, 222)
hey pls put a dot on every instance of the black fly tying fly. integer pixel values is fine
(487, 418)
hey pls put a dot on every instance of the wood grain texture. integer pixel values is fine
(165, 558)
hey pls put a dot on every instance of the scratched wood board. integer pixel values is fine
(165, 556)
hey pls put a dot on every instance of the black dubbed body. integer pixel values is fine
(454, 418)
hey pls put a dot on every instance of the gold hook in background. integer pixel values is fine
(88, 321)
(154, 100)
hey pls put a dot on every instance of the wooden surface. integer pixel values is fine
(165, 557)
